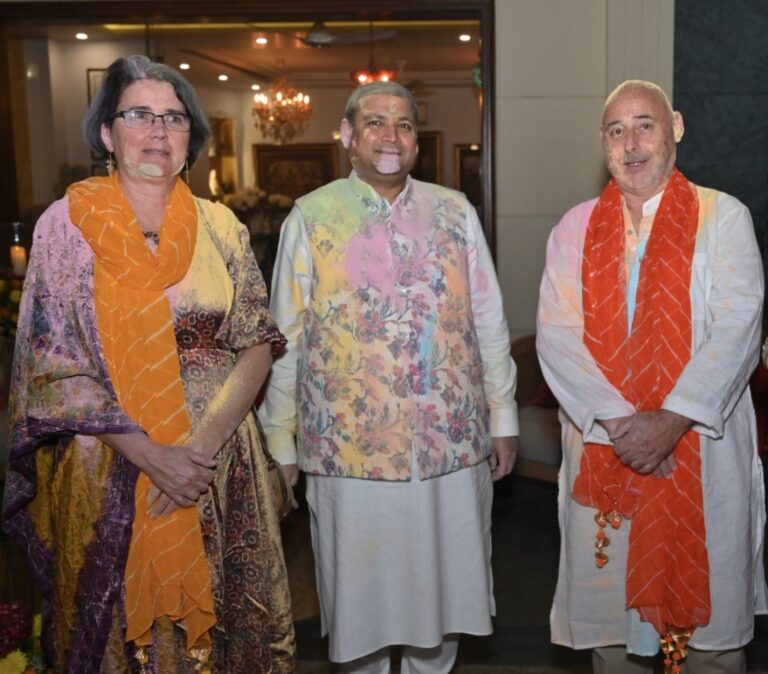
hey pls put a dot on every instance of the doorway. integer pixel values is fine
(155, 27)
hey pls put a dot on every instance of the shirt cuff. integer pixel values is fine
(592, 431)
(282, 447)
(705, 421)
(504, 422)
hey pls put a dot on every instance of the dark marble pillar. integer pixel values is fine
(721, 88)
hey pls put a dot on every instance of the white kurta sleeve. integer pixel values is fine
(570, 370)
(290, 298)
(727, 300)
(499, 371)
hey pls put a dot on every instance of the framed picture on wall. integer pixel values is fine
(466, 172)
(422, 113)
(95, 78)
(295, 170)
(429, 163)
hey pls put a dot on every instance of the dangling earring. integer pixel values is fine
(186, 172)
(110, 164)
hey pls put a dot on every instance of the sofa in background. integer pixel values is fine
(540, 452)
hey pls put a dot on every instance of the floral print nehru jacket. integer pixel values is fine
(377, 303)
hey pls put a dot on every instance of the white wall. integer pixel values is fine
(556, 60)
(69, 63)
(41, 121)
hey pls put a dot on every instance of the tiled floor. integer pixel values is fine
(525, 552)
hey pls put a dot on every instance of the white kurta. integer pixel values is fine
(402, 562)
(726, 298)
(397, 562)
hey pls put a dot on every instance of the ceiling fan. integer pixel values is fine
(319, 36)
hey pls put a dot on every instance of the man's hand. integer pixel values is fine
(647, 445)
(617, 427)
(666, 467)
(290, 473)
(503, 455)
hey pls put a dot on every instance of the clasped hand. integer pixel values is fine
(179, 476)
(645, 441)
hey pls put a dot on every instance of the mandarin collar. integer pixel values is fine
(652, 205)
(373, 200)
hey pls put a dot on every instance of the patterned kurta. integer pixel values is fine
(726, 300)
(69, 499)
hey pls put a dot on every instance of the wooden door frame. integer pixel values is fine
(250, 10)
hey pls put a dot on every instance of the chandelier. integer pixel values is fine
(281, 112)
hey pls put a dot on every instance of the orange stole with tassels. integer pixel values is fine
(667, 567)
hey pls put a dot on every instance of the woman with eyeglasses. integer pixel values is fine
(137, 481)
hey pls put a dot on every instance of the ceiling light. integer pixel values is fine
(255, 87)
(184, 66)
(465, 37)
(223, 78)
(282, 112)
(81, 36)
(261, 40)
(371, 73)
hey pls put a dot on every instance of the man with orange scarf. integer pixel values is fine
(648, 331)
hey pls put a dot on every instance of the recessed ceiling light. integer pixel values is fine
(223, 78)
(261, 40)
(81, 36)
(183, 66)
(465, 37)
(255, 87)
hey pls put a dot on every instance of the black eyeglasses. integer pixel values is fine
(143, 119)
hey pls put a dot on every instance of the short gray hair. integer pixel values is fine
(118, 77)
(639, 85)
(374, 89)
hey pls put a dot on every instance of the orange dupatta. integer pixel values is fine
(167, 571)
(667, 565)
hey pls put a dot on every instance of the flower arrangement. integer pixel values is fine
(20, 641)
(10, 296)
(251, 197)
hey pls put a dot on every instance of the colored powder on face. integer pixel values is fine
(150, 170)
(387, 163)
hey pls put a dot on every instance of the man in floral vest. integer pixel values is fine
(648, 331)
(395, 395)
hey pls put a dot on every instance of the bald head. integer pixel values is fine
(638, 86)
